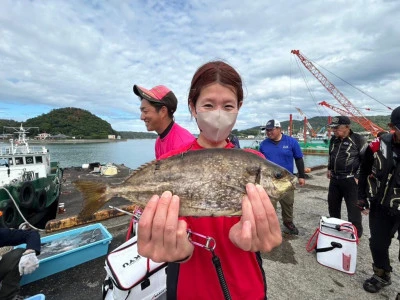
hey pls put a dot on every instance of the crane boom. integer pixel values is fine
(349, 107)
(345, 113)
(337, 109)
(313, 133)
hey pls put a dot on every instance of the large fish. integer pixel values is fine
(209, 182)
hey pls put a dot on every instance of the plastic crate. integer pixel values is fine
(36, 297)
(70, 258)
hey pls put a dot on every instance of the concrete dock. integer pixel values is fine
(291, 271)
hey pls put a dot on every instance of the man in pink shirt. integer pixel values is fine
(157, 107)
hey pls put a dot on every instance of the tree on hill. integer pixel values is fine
(73, 122)
(8, 123)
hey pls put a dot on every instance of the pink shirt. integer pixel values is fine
(176, 138)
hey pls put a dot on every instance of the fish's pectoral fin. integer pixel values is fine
(256, 172)
(241, 189)
(258, 176)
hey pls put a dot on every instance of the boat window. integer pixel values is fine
(29, 160)
(39, 159)
(19, 161)
(10, 161)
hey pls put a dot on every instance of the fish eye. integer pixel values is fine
(278, 175)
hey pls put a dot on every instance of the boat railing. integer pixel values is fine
(23, 150)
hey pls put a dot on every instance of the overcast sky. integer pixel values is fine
(88, 55)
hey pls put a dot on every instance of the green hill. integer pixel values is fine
(74, 122)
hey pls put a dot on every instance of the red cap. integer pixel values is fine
(157, 93)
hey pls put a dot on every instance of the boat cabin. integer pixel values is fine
(19, 161)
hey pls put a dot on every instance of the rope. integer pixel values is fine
(26, 223)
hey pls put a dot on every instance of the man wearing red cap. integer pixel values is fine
(158, 106)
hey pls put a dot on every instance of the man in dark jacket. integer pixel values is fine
(379, 183)
(346, 149)
(17, 262)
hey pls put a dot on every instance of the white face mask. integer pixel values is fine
(217, 124)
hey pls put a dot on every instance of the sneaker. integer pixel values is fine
(376, 283)
(290, 228)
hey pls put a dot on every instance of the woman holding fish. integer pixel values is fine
(215, 97)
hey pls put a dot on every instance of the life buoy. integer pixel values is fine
(41, 201)
(9, 218)
(26, 195)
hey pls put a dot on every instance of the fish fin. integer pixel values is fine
(94, 196)
(241, 189)
(256, 172)
(236, 214)
(138, 169)
(258, 176)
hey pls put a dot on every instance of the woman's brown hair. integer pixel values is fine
(215, 72)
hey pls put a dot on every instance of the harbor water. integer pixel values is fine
(131, 153)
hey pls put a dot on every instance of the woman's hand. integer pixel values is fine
(162, 237)
(258, 228)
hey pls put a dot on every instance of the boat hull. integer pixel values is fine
(34, 200)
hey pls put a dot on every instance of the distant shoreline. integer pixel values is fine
(76, 141)
(92, 141)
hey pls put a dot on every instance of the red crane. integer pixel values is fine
(340, 111)
(343, 112)
(350, 109)
(312, 131)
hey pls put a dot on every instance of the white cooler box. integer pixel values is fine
(131, 276)
(337, 244)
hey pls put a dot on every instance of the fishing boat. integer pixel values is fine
(314, 146)
(29, 183)
(317, 145)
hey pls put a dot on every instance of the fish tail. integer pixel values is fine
(94, 193)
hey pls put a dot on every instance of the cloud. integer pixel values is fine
(88, 54)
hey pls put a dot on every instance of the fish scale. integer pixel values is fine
(209, 182)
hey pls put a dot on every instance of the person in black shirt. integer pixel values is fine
(17, 262)
(346, 149)
(378, 191)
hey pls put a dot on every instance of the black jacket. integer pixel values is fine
(375, 183)
(14, 237)
(345, 155)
